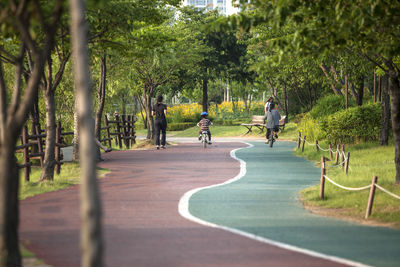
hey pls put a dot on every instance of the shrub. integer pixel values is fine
(310, 128)
(329, 105)
(354, 124)
(184, 113)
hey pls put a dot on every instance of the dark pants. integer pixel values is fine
(208, 133)
(160, 125)
(276, 130)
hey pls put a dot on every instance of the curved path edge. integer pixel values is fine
(183, 208)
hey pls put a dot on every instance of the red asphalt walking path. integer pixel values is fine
(141, 223)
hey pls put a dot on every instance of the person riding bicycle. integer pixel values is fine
(204, 125)
(273, 118)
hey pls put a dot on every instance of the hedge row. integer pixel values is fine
(346, 126)
(354, 124)
(179, 126)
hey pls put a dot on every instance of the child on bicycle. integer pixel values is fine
(273, 118)
(204, 125)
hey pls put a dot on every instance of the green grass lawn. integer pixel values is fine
(216, 131)
(69, 175)
(366, 160)
(289, 132)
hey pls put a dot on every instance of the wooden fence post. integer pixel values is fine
(342, 156)
(25, 142)
(299, 141)
(107, 126)
(330, 152)
(323, 172)
(58, 148)
(118, 131)
(337, 154)
(316, 145)
(304, 141)
(128, 131)
(124, 131)
(346, 167)
(371, 197)
(132, 129)
(39, 143)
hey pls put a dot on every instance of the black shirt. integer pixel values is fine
(159, 110)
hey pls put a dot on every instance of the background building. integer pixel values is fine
(224, 6)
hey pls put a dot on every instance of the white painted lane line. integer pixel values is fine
(183, 209)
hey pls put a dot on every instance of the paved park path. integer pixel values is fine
(263, 202)
(142, 224)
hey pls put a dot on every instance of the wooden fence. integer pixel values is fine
(123, 128)
(32, 146)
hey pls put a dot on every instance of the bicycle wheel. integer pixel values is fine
(271, 139)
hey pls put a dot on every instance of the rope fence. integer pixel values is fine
(345, 187)
(372, 188)
(387, 192)
(339, 153)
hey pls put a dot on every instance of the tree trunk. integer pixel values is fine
(286, 103)
(360, 91)
(150, 121)
(101, 95)
(11, 122)
(250, 97)
(9, 207)
(35, 120)
(91, 233)
(395, 114)
(205, 95)
(143, 107)
(384, 134)
(375, 92)
(335, 90)
(244, 96)
(124, 102)
(75, 143)
(49, 153)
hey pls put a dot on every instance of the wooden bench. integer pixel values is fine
(256, 121)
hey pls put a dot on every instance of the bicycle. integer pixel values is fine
(272, 137)
(204, 138)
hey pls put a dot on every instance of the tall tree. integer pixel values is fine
(155, 64)
(18, 21)
(367, 27)
(91, 234)
(50, 83)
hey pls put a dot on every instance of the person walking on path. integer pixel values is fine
(160, 122)
(273, 118)
(270, 100)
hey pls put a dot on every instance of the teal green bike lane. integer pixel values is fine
(264, 203)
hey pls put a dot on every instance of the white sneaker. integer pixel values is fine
(209, 142)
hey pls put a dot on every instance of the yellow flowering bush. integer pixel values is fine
(191, 112)
(226, 113)
(184, 113)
